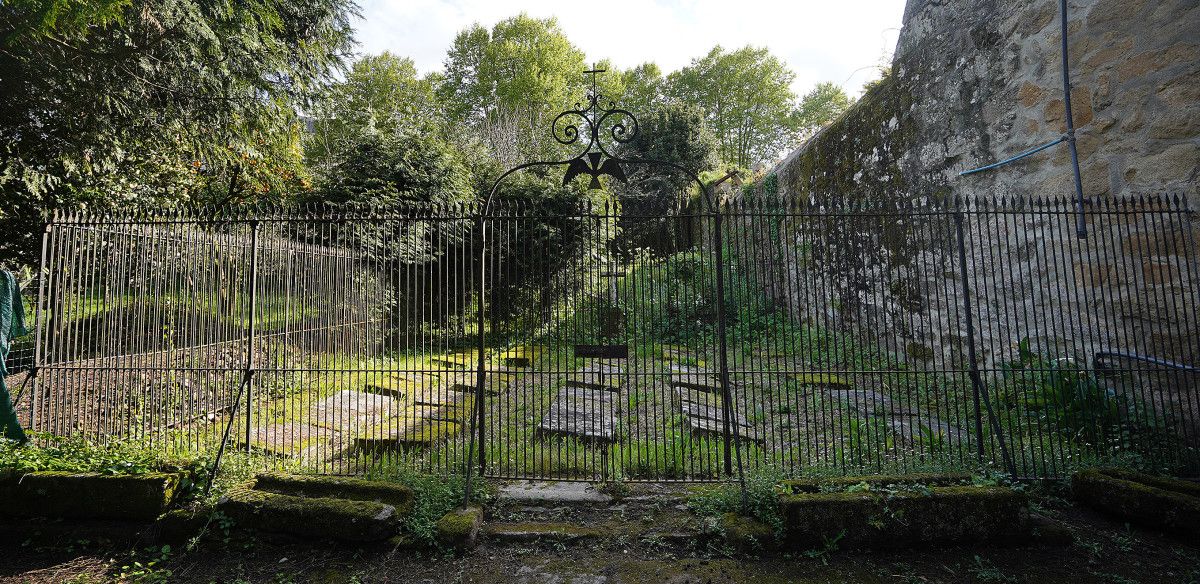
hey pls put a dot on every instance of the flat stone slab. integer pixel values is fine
(910, 426)
(586, 413)
(496, 382)
(554, 492)
(705, 412)
(297, 440)
(353, 411)
(699, 381)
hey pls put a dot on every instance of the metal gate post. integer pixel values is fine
(979, 389)
(731, 442)
(39, 320)
(475, 419)
(254, 227)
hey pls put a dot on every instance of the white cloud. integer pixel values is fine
(839, 40)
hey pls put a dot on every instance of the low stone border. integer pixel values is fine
(69, 495)
(397, 495)
(459, 529)
(842, 483)
(313, 517)
(1169, 504)
(921, 515)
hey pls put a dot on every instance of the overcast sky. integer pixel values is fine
(833, 40)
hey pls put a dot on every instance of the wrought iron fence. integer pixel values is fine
(570, 340)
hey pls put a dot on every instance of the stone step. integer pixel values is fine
(311, 517)
(530, 533)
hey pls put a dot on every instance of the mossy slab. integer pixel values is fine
(1149, 501)
(522, 356)
(397, 495)
(455, 360)
(459, 529)
(311, 517)
(540, 532)
(70, 495)
(954, 515)
(746, 535)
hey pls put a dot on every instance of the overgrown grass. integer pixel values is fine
(434, 494)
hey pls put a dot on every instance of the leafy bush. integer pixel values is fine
(1061, 392)
(434, 494)
(760, 502)
(77, 454)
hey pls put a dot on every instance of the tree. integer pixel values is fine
(819, 107)
(644, 86)
(507, 82)
(674, 133)
(747, 98)
(381, 93)
(166, 101)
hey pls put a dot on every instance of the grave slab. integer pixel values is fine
(589, 414)
(349, 411)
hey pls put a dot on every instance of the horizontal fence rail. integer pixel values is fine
(775, 336)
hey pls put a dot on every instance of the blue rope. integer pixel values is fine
(1061, 139)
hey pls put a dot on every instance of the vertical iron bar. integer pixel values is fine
(976, 378)
(254, 228)
(718, 242)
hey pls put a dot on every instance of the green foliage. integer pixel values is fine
(761, 500)
(434, 494)
(1062, 393)
(819, 107)
(747, 98)
(380, 96)
(507, 83)
(77, 454)
(113, 105)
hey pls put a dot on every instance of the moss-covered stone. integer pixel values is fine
(394, 494)
(313, 517)
(940, 515)
(459, 529)
(842, 483)
(1139, 502)
(746, 535)
(1181, 486)
(71, 495)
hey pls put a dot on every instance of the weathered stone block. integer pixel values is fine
(459, 529)
(954, 515)
(1167, 504)
(70, 495)
(397, 495)
(313, 517)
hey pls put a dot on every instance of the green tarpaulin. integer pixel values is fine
(12, 325)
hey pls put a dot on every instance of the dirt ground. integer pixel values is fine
(1104, 551)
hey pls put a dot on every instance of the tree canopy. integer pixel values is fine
(112, 103)
(747, 99)
(166, 101)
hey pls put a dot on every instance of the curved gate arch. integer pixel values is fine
(591, 124)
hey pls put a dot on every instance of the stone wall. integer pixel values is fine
(977, 81)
